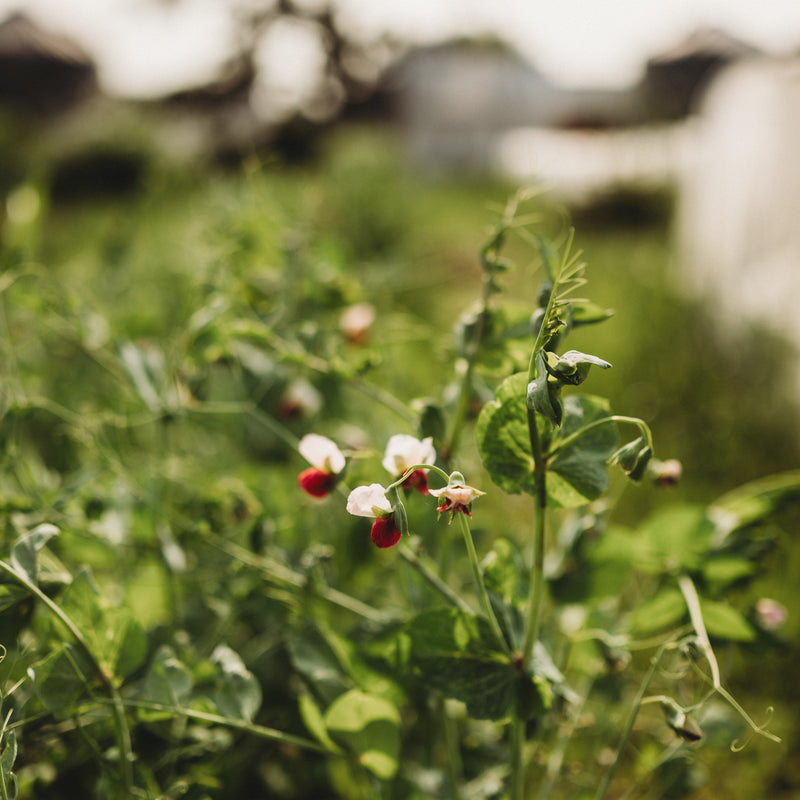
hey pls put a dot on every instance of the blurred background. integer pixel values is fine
(666, 131)
(148, 146)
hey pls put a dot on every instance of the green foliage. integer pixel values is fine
(198, 628)
(457, 654)
(370, 727)
(578, 472)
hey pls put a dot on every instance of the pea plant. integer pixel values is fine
(182, 614)
(521, 659)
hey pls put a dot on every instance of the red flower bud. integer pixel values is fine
(316, 482)
(384, 532)
(418, 480)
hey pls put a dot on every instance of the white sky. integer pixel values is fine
(145, 48)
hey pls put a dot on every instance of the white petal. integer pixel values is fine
(363, 500)
(321, 453)
(403, 451)
(458, 495)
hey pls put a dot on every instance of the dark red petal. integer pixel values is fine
(384, 532)
(418, 480)
(316, 482)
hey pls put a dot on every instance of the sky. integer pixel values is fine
(144, 48)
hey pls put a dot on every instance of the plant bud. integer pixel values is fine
(545, 290)
(573, 366)
(680, 721)
(544, 395)
(633, 458)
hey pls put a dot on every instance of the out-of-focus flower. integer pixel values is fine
(327, 463)
(456, 497)
(402, 452)
(371, 501)
(356, 322)
(666, 473)
(300, 399)
(771, 614)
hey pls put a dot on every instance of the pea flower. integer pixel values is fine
(455, 497)
(771, 614)
(327, 463)
(371, 501)
(402, 452)
(666, 473)
(356, 322)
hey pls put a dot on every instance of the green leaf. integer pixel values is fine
(168, 681)
(370, 727)
(146, 369)
(312, 717)
(678, 538)
(314, 658)
(456, 653)
(596, 568)
(9, 752)
(237, 693)
(665, 609)
(60, 679)
(502, 437)
(725, 570)
(503, 568)
(578, 473)
(584, 312)
(725, 622)
(363, 674)
(7, 759)
(755, 501)
(24, 554)
(113, 635)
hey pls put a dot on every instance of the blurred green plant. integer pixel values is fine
(179, 620)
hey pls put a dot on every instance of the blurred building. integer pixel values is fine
(738, 232)
(674, 81)
(453, 100)
(41, 73)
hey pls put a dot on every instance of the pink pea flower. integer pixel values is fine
(327, 463)
(456, 497)
(771, 614)
(371, 501)
(402, 452)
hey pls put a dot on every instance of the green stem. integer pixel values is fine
(539, 529)
(386, 399)
(490, 256)
(120, 723)
(260, 731)
(464, 366)
(455, 766)
(279, 573)
(614, 418)
(483, 596)
(433, 579)
(692, 600)
(413, 468)
(626, 733)
(516, 759)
